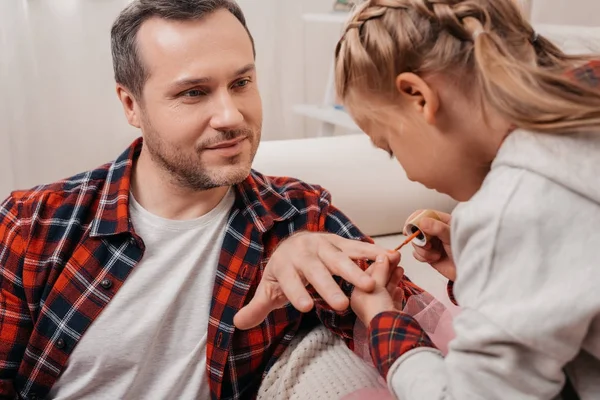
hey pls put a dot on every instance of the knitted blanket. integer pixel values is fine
(319, 366)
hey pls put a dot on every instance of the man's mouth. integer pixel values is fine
(227, 144)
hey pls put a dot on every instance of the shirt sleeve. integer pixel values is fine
(334, 221)
(392, 334)
(15, 320)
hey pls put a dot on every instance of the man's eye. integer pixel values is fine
(194, 93)
(242, 82)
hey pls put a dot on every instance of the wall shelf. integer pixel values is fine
(336, 17)
(327, 114)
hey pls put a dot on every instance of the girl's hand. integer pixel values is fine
(386, 294)
(437, 252)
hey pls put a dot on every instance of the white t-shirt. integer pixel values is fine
(149, 342)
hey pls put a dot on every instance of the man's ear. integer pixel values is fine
(130, 106)
(418, 94)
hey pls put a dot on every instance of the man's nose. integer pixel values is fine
(226, 113)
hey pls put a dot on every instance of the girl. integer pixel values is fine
(473, 103)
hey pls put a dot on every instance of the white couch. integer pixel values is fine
(373, 190)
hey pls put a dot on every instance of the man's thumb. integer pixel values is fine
(255, 312)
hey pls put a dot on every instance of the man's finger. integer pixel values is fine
(257, 310)
(294, 290)
(394, 257)
(356, 249)
(317, 274)
(339, 264)
(381, 270)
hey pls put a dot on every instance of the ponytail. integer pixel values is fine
(541, 96)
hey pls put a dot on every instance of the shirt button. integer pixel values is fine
(106, 284)
(132, 240)
(33, 396)
(60, 343)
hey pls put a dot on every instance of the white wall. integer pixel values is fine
(293, 60)
(59, 112)
(6, 165)
(566, 12)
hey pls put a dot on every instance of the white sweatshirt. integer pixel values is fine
(527, 251)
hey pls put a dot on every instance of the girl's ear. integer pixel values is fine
(415, 92)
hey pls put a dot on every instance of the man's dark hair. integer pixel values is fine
(129, 68)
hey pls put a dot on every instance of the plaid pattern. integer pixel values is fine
(392, 334)
(67, 248)
(588, 74)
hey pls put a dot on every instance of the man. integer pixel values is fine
(123, 282)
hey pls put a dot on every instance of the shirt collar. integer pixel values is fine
(112, 214)
(262, 203)
(256, 198)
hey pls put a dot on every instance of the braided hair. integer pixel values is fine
(487, 48)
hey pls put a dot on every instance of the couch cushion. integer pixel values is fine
(369, 187)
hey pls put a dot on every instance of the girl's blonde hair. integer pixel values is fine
(486, 44)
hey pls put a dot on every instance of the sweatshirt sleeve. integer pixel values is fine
(520, 283)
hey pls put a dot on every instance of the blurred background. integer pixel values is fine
(59, 114)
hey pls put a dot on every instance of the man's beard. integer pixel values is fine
(186, 168)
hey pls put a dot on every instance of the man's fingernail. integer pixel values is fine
(338, 297)
(304, 302)
(380, 259)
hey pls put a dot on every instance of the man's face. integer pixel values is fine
(200, 111)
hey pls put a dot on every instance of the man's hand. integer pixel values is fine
(310, 258)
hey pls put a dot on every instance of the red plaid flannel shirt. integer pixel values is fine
(394, 333)
(67, 248)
